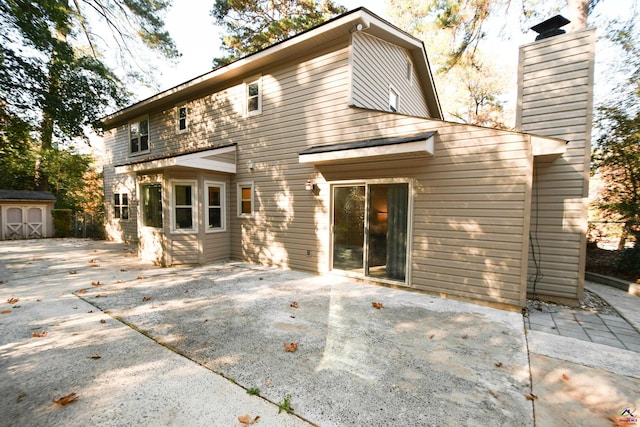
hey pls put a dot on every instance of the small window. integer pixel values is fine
(245, 199)
(215, 205)
(121, 206)
(182, 118)
(184, 209)
(151, 199)
(139, 136)
(393, 100)
(409, 71)
(253, 97)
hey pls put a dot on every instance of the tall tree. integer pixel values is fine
(454, 31)
(252, 25)
(53, 75)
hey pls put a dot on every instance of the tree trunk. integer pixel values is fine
(577, 11)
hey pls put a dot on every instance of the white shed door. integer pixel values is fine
(23, 222)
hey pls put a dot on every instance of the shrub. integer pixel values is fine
(62, 222)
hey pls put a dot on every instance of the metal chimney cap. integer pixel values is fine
(550, 27)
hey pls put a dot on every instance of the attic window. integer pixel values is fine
(409, 71)
(393, 100)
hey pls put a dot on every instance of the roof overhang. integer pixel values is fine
(362, 151)
(547, 149)
(204, 160)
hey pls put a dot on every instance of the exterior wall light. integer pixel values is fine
(309, 186)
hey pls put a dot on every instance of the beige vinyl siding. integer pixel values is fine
(377, 66)
(556, 100)
(470, 221)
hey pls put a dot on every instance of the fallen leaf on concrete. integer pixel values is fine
(267, 382)
(73, 272)
(16, 306)
(498, 364)
(293, 304)
(464, 337)
(94, 357)
(5, 311)
(146, 298)
(100, 296)
(431, 336)
(21, 396)
(97, 283)
(493, 393)
(82, 291)
(103, 321)
(140, 278)
(377, 305)
(92, 261)
(260, 278)
(37, 334)
(65, 400)
(90, 311)
(530, 396)
(13, 300)
(565, 377)
(247, 420)
(120, 281)
(291, 347)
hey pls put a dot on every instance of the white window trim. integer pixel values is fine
(138, 120)
(247, 82)
(223, 206)
(392, 90)
(121, 205)
(239, 197)
(186, 125)
(194, 206)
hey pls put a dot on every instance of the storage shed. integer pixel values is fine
(26, 214)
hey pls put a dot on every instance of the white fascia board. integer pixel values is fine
(546, 146)
(424, 147)
(199, 160)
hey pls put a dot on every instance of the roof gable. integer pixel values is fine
(337, 28)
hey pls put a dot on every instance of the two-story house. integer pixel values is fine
(328, 152)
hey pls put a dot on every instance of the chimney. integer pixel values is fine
(551, 27)
(555, 99)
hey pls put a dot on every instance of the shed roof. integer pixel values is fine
(41, 196)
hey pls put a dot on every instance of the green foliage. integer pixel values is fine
(252, 25)
(617, 160)
(255, 391)
(285, 405)
(55, 84)
(62, 222)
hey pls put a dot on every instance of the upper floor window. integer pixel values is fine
(245, 199)
(215, 205)
(393, 100)
(182, 118)
(121, 206)
(139, 136)
(184, 208)
(253, 96)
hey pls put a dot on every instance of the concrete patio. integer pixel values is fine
(146, 345)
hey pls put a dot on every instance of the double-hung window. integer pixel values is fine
(253, 96)
(121, 205)
(139, 136)
(182, 118)
(215, 206)
(245, 199)
(184, 206)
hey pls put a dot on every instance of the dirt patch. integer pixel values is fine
(621, 264)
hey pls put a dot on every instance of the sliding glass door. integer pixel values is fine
(370, 223)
